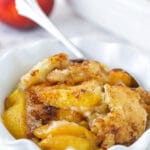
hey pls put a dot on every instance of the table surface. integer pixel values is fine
(64, 18)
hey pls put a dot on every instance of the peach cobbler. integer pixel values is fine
(63, 104)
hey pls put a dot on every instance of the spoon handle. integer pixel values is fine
(31, 10)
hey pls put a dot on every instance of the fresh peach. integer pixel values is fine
(9, 15)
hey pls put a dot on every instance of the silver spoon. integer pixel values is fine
(31, 10)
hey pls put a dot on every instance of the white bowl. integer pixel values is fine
(15, 62)
(127, 18)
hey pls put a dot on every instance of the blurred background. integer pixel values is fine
(109, 20)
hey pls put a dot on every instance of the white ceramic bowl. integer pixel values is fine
(15, 62)
(127, 18)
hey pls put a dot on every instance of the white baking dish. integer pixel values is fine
(129, 19)
(16, 62)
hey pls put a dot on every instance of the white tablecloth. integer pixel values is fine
(65, 19)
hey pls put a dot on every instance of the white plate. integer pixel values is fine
(15, 62)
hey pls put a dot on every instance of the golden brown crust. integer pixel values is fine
(78, 72)
(126, 120)
(145, 99)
